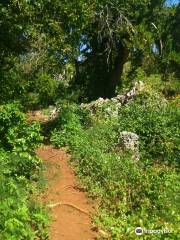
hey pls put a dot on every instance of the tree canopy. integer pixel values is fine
(95, 37)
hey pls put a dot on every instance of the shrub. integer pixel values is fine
(19, 164)
(18, 219)
(131, 194)
(46, 87)
(19, 171)
(70, 122)
(25, 137)
(15, 132)
(156, 122)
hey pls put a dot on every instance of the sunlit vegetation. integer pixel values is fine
(57, 54)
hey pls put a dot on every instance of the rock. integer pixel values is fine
(53, 112)
(104, 234)
(121, 98)
(130, 141)
(115, 103)
(101, 100)
(139, 86)
(115, 100)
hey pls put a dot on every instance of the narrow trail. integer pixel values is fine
(70, 207)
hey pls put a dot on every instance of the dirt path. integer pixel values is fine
(71, 209)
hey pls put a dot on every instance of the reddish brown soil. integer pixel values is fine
(71, 208)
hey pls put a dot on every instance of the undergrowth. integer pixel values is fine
(131, 194)
(22, 218)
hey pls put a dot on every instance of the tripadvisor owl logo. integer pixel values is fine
(138, 231)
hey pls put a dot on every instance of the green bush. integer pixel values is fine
(70, 122)
(16, 134)
(14, 82)
(157, 123)
(18, 219)
(25, 137)
(46, 87)
(20, 171)
(19, 164)
(131, 194)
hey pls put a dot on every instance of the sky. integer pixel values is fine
(173, 1)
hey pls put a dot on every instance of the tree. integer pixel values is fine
(96, 36)
(118, 30)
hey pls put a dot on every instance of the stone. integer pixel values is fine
(53, 112)
(130, 141)
(115, 103)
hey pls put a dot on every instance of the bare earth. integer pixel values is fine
(71, 208)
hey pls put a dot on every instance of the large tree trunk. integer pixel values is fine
(117, 70)
(107, 74)
(97, 75)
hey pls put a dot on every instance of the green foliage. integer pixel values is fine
(13, 82)
(139, 195)
(40, 40)
(70, 122)
(20, 170)
(46, 87)
(131, 194)
(15, 132)
(156, 122)
(18, 219)
(19, 164)
(10, 116)
(55, 49)
(27, 138)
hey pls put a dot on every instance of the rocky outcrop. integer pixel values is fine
(53, 112)
(130, 141)
(112, 106)
(109, 107)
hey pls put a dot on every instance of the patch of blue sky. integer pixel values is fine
(172, 2)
